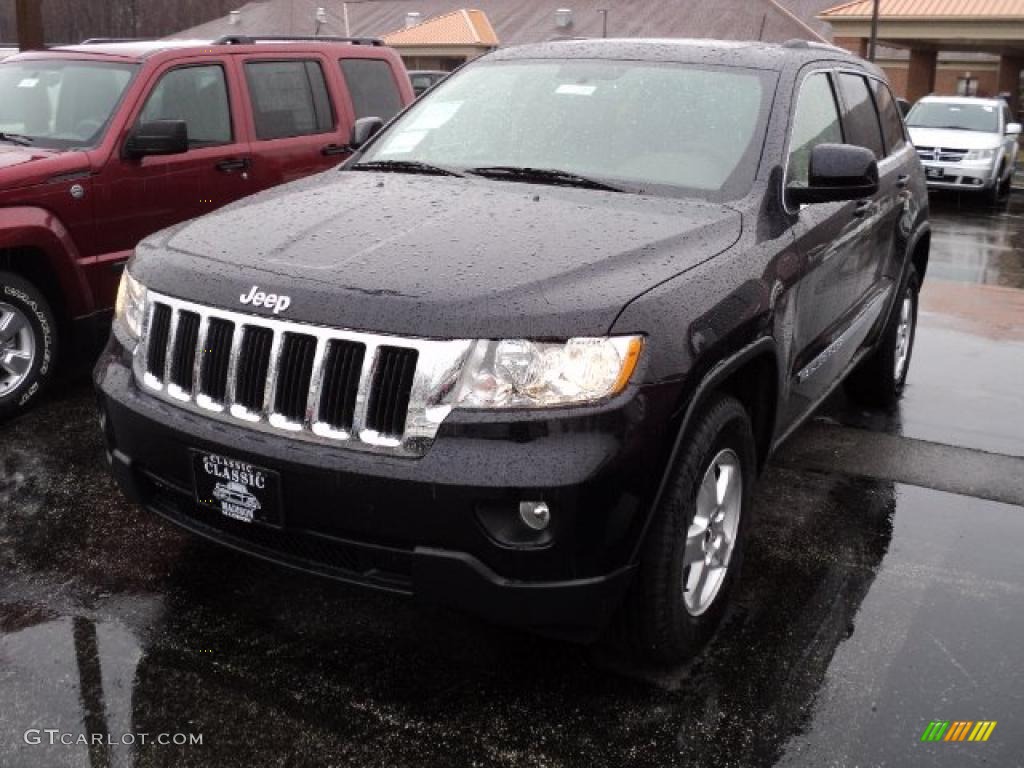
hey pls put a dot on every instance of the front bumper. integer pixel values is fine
(962, 176)
(441, 527)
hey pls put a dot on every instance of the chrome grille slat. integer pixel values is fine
(172, 345)
(423, 367)
(202, 344)
(315, 384)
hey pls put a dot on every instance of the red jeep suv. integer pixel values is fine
(104, 143)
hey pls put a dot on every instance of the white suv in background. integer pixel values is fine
(966, 143)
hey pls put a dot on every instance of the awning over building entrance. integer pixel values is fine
(927, 27)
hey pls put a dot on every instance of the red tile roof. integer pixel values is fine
(462, 27)
(919, 9)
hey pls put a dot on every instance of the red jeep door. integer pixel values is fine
(295, 124)
(137, 197)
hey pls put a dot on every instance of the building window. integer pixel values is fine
(967, 85)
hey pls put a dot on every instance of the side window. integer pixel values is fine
(816, 122)
(199, 96)
(861, 118)
(892, 124)
(289, 98)
(373, 88)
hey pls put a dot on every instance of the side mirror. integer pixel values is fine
(837, 172)
(1013, 129)
(161, 137)
(364, 129)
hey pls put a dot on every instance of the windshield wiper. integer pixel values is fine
(16, 138)
(543, 176)
(406, 166)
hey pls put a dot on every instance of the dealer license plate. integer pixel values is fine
(237, 489)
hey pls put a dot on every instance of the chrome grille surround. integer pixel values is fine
(438, 366)
(938, 154)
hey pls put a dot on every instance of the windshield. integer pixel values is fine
(962, 117)
(637, 126)
(59, 104)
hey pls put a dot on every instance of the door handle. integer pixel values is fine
(335, 149)
(903, 181)
(234, 164)
(863, 208)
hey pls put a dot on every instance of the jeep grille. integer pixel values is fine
(361, 390)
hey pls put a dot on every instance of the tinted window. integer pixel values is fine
(373, 88)
(861, 118)
(958, 116)
(816, 122)
(289, 98)
(197, 95)
(660, 128)
(892, 125)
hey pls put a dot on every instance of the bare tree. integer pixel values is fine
(70, 21)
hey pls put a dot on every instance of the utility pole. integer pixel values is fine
(29, 15)
(873, 42)
(604, 21)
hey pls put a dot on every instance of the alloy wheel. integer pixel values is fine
(17, 347)
(711, 537)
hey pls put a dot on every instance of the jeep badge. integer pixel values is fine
(258, 298)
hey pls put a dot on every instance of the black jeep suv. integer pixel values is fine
(525, 353)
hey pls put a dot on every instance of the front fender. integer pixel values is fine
(40, 231)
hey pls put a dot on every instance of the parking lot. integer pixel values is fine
(883, 589)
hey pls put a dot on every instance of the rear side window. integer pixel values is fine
(197, 95)
(892, 125)
(372, 87)
(289, 98)
(816, 122)
(861, 118)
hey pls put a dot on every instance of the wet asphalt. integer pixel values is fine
(883, 588)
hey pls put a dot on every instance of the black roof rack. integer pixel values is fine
(250, 40)
(108, 40)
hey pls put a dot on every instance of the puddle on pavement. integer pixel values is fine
(134, 627)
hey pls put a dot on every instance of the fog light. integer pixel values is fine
(535, 514)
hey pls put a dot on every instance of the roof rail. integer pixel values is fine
(250, 39)
(108, 40)
(802, 44)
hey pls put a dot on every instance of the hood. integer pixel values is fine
(440, 257)
(27, 166)
(946, 139)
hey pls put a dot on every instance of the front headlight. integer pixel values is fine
(129, 310)
(529, 374)
(979, 154)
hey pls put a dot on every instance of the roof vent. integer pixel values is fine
(235, 18)
(412, 18)
(563, 18)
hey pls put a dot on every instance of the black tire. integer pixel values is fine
(875, 381)
(999, 195)
(655, 620)
(23, 306)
